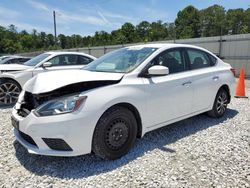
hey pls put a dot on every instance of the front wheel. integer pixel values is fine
(115, 133)
(220, 104)
(9, 92)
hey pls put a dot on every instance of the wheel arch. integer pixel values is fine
(13, 80)
(135, 112)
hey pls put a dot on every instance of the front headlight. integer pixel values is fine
(60, 106)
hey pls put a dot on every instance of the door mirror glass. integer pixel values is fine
(47, 64)
(158, 70)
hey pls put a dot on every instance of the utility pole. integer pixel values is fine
(54, 16)
(174, 34)
(220, 44)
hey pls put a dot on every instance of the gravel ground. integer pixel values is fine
(197, 152)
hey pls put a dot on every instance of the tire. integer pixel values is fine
(220, 104)
(9, 92)
(115, 133)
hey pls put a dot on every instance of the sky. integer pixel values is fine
(85, 17)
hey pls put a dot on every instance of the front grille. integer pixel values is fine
(27, 138)
(57, 144)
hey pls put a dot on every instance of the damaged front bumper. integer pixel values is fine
(63, 135)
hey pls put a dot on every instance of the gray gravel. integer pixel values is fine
(197, 152)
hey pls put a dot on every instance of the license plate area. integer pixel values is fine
(15, 123)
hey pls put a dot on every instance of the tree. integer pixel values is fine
(246, 20)
(2, 36)
(212, 20)
(171, 31)
(62, 41)
(129, 33)
(158, 31)
(50, 40)
(235, 19)
(187, 23)
(10, 46)
(143, 30)
(27, 42)
(117, 37)
(43, 37)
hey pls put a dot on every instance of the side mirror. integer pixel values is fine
(158, 70)
(47, 64)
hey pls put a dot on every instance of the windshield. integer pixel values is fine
(121, 61)
(34, 61)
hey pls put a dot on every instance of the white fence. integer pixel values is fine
(234, 49)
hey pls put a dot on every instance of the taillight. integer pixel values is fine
(233, 71)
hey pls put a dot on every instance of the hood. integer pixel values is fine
(50, 81)
(13, 67)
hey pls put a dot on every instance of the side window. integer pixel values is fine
(13, 61)
(22, 60)
(172, 59)
(82, 60)
(213, 60)
(63, 60)
(198, 59)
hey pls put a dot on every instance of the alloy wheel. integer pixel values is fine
(221, 104)
(9, 93)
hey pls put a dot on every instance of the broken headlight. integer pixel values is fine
(60, 106)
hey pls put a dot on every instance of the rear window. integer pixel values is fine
(198, 59)
(82, 60)
(213, 60)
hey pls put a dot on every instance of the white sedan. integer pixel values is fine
(118, 98)
(14, 76)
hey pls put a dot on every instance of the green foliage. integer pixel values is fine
(143, 31)
(246, 20)
(235, 19)
(190, 23)
(187, 23)
(158, 31)
(213, 21)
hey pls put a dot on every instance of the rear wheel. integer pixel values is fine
(115, 133)
(9, 92)
(220, 104)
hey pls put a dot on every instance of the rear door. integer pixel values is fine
(205, 78)
(170, 96)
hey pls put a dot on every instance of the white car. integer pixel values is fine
(14, 76)
(7, 56)
(118, 98)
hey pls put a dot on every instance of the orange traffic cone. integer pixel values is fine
(240, 89)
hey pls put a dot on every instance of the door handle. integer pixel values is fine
(215, 78)
(187, 83)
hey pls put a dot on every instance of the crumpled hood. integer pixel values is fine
(50, 81)
(13, 67)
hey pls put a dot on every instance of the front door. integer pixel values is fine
(169, 97)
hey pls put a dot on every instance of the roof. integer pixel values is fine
(165, 45)
(63, 53)
(170, 45)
